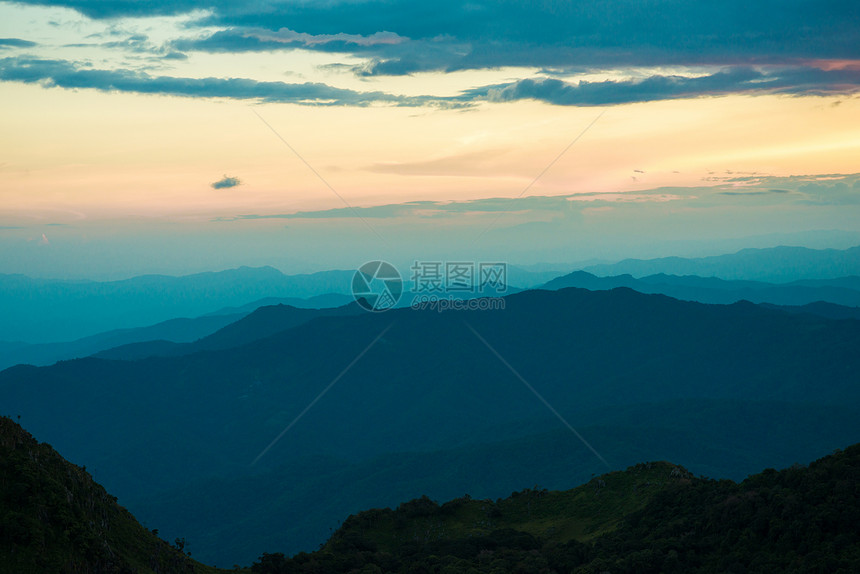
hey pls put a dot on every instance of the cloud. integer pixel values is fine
(803, 47)
(754, 193)
(745, 80)
(839, 192)
(226, 183)
(16, 43)
(803, 190)
(117, 8)
(261, 39)
(64, 74)
(500, 32)
(551, 205)
(386, 53)
(493, 33)
(467, 164)
(796, 192)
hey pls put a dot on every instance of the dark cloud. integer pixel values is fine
(491, 33)
(760, 47)
(733, 80)
(117, 8)
(226, 182)
(60, 73)
(797, 81)
(15, 43)
(625, 31)
(387, 54)
(259, 39)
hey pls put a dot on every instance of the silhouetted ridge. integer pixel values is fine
(260, 324)
(55, 518)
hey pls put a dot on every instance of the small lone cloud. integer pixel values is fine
(226, 182)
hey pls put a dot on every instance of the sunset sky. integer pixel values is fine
(193, 135)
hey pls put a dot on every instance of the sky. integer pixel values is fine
(183, 136)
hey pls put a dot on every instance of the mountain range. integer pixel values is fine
(48, 311)
(157, 336)
(385, 407)
(40, 311)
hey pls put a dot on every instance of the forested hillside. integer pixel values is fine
(650, 518)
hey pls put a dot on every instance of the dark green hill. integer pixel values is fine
(652, 517)
(55, 518)
(582, 514)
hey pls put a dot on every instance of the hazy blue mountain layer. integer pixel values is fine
(776, 264)
(843, 291)
(46, 311)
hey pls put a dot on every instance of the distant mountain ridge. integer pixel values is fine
(775, 264)
(181, 330)
(158, 339)
(264, 322)
(45, 311)
(50, 311)
(844, 291)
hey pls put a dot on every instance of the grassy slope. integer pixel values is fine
(553, 516)
(650, 518)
